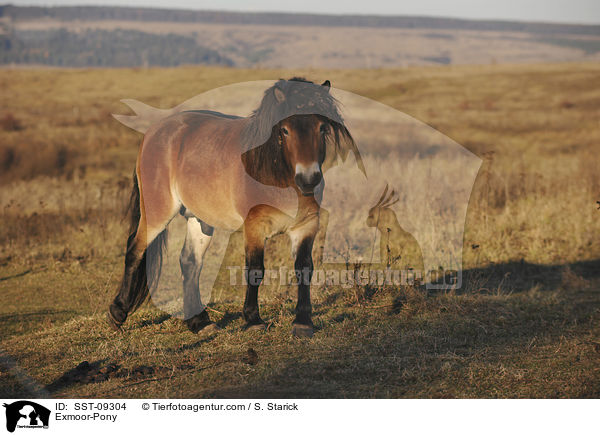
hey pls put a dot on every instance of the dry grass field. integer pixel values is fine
(524, 324)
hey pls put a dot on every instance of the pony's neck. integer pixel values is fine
(267, 164)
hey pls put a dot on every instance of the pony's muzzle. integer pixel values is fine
(308, 178)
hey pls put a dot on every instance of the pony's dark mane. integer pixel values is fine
(267, 162)
(264, 158)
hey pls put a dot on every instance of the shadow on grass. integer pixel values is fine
(24, 322)
(196, 344)
(434, 346)
(222, 323)
(519, 276)
(154, 321)
(228, 318)
(478, 344)
(83, 373)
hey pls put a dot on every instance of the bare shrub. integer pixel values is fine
(9, 123)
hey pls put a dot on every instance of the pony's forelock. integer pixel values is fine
(286, 98)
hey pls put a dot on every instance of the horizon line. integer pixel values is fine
(281, 12)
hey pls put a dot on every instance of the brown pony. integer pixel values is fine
(263, 172)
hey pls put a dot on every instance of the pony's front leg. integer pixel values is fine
(303, 325)
(255, 269)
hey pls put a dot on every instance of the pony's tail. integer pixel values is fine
(145, 277)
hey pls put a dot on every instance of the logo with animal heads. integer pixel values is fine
(27, 415)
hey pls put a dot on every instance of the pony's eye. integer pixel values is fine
(324, 128)
(285, 131)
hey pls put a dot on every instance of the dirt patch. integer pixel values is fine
(101, 371)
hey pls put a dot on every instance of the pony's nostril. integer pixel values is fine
(309, 182)
(315, 179)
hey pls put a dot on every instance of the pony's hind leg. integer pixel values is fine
(197, 241)
(141, 260)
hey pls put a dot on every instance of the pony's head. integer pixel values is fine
(303, 139)
(299, 133)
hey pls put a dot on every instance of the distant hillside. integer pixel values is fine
(114, 36)
(101, 48)
(90, 13)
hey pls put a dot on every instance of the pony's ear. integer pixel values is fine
(326, 84)
(279, 95)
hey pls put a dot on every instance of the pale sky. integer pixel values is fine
(567, 11)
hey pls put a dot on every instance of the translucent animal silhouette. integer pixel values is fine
(398, 248)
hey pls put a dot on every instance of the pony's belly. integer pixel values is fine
(225, 210)
(213, 208)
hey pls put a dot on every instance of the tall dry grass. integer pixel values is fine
(66, 169)
(516, 329)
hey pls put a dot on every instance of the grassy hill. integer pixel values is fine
(525, 323)
(112, 36)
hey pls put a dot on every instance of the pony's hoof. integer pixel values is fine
(210, 329)
(302, 331)
(255, 327)
(197, 325)
(113, 323)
